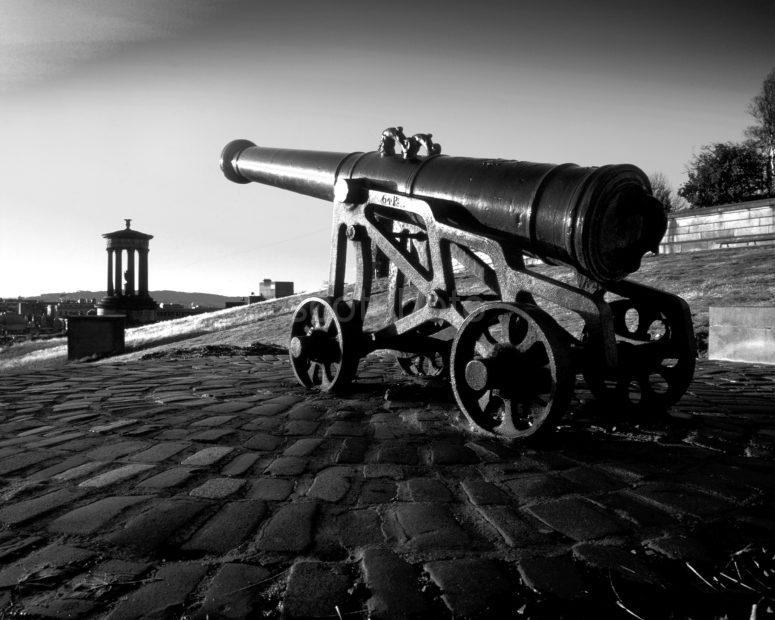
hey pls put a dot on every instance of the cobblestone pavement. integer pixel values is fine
(216, 487)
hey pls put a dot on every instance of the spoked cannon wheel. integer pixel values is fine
(510, 374)
(655, 365)
(323, 346)
(424, 365)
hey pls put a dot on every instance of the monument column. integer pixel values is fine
(128, 290)
(119, 273)
(110, 272)
(130, 272)
(143, 266)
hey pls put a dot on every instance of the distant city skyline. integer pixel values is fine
(119, 109)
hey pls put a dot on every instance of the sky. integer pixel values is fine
(113, 109)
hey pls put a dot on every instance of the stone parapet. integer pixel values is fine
(742, 334)
(725, 226)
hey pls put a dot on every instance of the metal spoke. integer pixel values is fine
(529, 377)
(322, 354)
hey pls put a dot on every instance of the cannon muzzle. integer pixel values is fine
(600, 220)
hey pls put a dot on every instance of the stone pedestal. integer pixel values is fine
(742, 334)
(98, 336)
(137, 309)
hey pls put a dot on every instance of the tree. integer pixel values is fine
(663, 192)
(762, 108)
(724, 172)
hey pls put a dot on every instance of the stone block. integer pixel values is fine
(578, 518)
(331, 484)
(164, 595)
(228, 528)
(51, 560)
(315, 589)
(233, 592)
(32, 508)
(473, 588)
(514, 529)
(742, 334)
(555, 576)
(270, 489)
(289, 529)
(207, 456)
(217, 488)
(160, 526)
(115, 476)
(423, 527)
(394, 588)
(100, 336)
(90, 518)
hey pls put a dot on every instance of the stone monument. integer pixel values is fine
(124, 297)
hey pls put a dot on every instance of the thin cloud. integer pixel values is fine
(42, 39)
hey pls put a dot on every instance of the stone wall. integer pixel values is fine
(742, 334)
(723, 226)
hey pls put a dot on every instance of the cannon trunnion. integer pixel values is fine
(445, 222)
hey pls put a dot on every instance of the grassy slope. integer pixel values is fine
(735, 277)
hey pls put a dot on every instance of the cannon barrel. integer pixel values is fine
(600, 220)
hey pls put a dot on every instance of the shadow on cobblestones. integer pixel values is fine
(207, 484)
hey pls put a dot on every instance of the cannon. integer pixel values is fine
(462, 299)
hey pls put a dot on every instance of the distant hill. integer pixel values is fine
(175, 297)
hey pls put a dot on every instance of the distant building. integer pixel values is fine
(12, 323)
(168, 311)
(234, 304)
(273, 290)
(65, 308)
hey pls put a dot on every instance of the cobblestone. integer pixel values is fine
(424, 490)
(228, 527)
(116, 475)
(555, 575)
(315, 589)
(53, 559)
(302, 447)
(90, 518)
(158, 526)
(232, 592)
(271, 489)
(377, 491)
(216, 488)
(617, 557)
(164, 595)
(472, 588)
(481, 492)
(393, 586)
(207, 456)
(331, 484)
(37, 506)
(578, 518)
(289, 529)
(514, 530)
(241, 464)
(160, 452)
(423, 527)
(354, 529)
(173, 477)
(306, 487)
(287, 466)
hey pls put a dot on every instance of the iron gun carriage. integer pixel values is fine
(443, 222)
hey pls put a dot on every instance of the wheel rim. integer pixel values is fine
(422, 364)
(509, 373)
(654, 370)
(320, 348)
